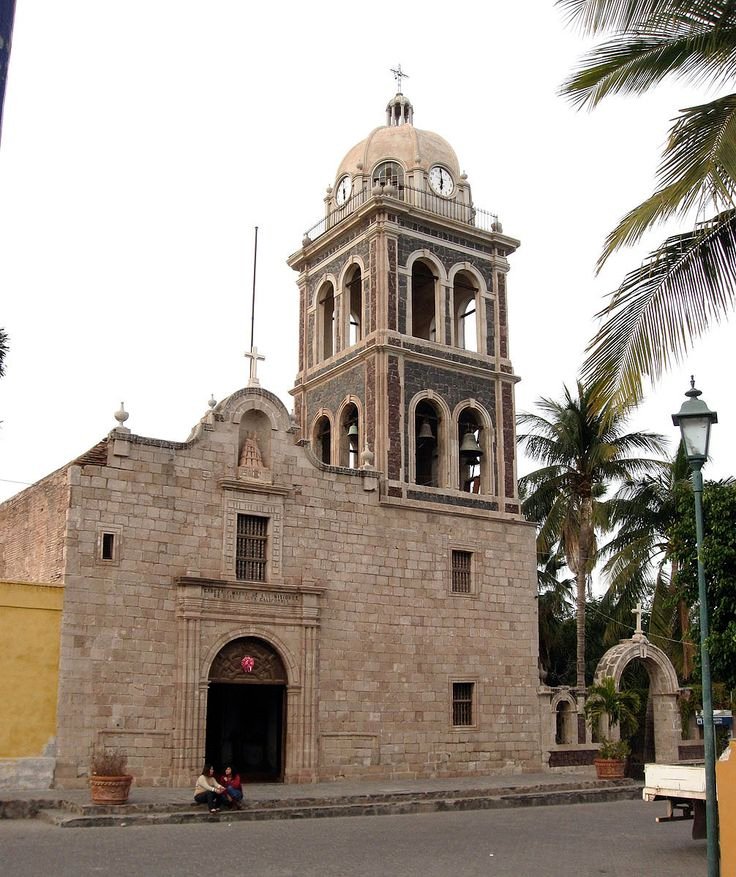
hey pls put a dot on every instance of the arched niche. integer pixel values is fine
(254, 443)
(663, 689)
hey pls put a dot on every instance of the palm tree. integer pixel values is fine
(640, 562)
(689, 281)
(621, 707)
(554, 607)
(584, 449)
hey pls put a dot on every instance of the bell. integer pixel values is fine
(353, 436)
(425, 431)
(469, 446)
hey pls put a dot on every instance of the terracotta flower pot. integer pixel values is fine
(109, 790)
(610, 768)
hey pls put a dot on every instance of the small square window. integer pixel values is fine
(107, 550)
(462, 704)
(462, 568)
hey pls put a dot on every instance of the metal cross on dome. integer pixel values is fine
(398, 76)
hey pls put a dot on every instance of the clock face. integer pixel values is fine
(344, 188)
(441, 181)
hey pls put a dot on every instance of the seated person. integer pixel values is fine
(233, 787)
(208, 790)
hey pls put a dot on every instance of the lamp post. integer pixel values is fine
(695, 419)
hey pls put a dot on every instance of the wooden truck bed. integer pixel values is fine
(682, 786)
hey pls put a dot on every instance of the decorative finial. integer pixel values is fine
(692, 392)
(212, 401)
(398, 76)
(122, 415)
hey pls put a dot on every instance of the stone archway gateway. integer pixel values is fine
(246, 711)
(663, 689)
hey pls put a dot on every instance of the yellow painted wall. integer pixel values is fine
(726, 782)
(30, 625)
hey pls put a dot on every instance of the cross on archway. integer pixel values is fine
(638, 611)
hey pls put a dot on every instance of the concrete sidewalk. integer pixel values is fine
(146, 805)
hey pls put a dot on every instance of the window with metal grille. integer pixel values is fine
(250, 552)
(462, 703)
(461, 569)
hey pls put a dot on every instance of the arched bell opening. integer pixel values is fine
(350, 436)
(471, 451)
(466, 299)
(246, 710)
(428, 444)
(326, 322)
(423, 302)
(322, 440)
(354, 295)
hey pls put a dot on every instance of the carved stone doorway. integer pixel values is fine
(246, 712)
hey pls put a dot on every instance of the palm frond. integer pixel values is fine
(596, 16)
(698, 167)
(632, 64)
(685, 285)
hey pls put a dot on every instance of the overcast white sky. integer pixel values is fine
(144, 139)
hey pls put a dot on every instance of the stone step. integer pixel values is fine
(320, 808)
(25, 809)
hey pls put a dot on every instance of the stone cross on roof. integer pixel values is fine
(254, 356)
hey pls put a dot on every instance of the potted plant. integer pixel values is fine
(621, 708)
(611, 761)
(109, 779)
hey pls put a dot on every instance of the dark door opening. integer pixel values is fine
(245, 729)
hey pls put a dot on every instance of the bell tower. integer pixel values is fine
(403, 338)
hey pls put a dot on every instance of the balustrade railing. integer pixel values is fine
(427, 201)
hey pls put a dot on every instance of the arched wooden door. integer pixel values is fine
(246, 712)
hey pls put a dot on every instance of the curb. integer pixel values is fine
(66, 815)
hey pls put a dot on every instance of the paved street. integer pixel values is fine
(585, 840)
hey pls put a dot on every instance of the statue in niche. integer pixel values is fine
(250, 464)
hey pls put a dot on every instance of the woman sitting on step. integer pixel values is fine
(233, 788)
(208, 791)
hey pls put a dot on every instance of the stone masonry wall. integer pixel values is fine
(392, 637)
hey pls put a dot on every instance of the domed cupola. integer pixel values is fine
(399, 111)
(401, 161)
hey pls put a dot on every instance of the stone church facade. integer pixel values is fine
(366, 551)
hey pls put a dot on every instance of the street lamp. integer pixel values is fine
(694, 420)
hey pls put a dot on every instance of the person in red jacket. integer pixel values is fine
(233, 787)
